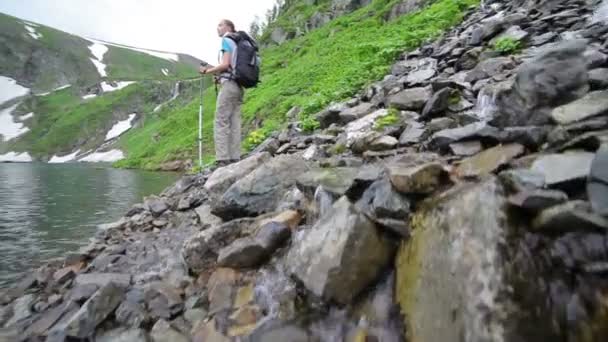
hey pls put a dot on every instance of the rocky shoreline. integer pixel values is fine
(462, 198)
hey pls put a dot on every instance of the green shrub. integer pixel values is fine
(388, 120)
(254, 138)
(507, 45)
(309, 124)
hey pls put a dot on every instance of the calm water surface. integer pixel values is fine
(48, 210)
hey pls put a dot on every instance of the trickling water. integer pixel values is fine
(486, 103)
(174, 95)
(601, 13)
(323, 200)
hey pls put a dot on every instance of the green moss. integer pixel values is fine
(390, 119)
(337, 149)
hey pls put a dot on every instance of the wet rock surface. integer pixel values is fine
(490, 185)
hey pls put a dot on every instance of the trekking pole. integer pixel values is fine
(200, 129)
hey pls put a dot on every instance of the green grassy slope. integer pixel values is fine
(328, 64)
(62, 122)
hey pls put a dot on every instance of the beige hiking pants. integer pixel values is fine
(227, 130)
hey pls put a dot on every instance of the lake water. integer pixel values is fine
(48, 210)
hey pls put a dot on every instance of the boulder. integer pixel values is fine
(420, 179)
(474, 131)
(242, 253)
(383, 143)
(95, 310)
(453, 261)
(103, 279)
(466, 148)
(162, 331)
(597, 185)
(222, 178)
(562, 169)
(570, 216)
(489, 160)
(262, 189)
(334, 180)
(156, 205)
(381, 203)
(556, 76)
(340, 255)
(163, 300)
(592, 104)
(354, 113)
(413, 133)
(598, 78)
(489, 67)
(438, 103)
(537, 199)
(123, 335)
(410, 99)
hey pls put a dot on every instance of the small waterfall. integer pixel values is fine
(486, 103)
(323, 201)
(174, 95)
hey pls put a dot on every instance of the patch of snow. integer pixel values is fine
(90, 96)
(160, 54)
(54, 90)
(32, 32)
(14, 157)
(101, 68)
(26, 116)
(120, 127)
(109, 157)
(165, 72)
(106, 87)
(70, 157)
(9, 89)
(99, 50)
(10, 129)
(30, 23)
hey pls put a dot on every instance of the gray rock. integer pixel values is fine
(163, 300)
(562, 169)
(489, 160)
(419, 76)
(556, 76)
(490, 28)
(421, 179)
(279, 331)
(320, 261)
(522, 179)
(595, 58)
(82, 292)
(22, 309)
(489, 68)
(570, 216)
(206, 218)
(452, 261)
(438, 103)
(383, 143)
(194, 316)
(273, 235)
(593, 104)
(380, 202)
(466, 148)
(200, 250)
(357, 112)
(543, 38)
(333, 180)
(444, 138)
(123, 335)
(162, 331)
(242, 253)
(103, 279)
(439, 124)
(537, 199)
(413, 133)
(270, 145)
(278, 35)
(514, 32)
(410, 99)
(468, 60)
(598, 78)
(330, 115)
(366, 175)
(222, 178)
(597, 186)
(262, 189)
(404, 7)
(94, 311)
(132, 314)
(42, 325)
(156, 205)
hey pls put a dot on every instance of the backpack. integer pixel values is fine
(247, 69)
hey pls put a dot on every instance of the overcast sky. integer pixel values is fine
(186, 26)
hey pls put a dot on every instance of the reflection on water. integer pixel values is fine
(46, 210)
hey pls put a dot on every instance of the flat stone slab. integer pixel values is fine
(592, 104)
(103, 279)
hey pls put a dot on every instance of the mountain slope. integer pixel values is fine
(62, 93)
